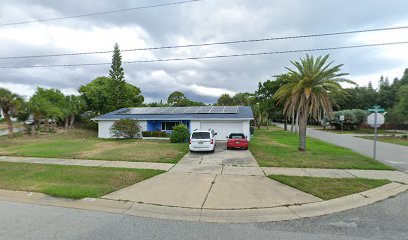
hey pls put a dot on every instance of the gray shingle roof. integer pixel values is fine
(243, 112)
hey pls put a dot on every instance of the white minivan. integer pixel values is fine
(203, 140)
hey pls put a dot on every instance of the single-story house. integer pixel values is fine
(222, 119)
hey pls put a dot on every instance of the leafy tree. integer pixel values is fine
(225, 100)
(401, 107)
(100, 99)
(394, 118)
(47, 104)
(72, 106)
(10, 105)
(264, 96)
(306, 90)
(175, 98)
(179, 134)
(386, 93)
(242, 99)
(125, 128)
(178, 99)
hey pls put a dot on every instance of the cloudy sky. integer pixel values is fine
(198, 22)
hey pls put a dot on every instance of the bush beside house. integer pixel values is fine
(159, 134)
(125, 128)
(180, 134)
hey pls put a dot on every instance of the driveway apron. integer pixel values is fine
(225, 179)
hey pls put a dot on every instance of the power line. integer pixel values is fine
(98, 13)
(211, 44)
(212, 57)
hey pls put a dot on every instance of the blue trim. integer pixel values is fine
(156, 125)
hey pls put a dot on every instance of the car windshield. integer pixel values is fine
(236, 136)
(201, 135)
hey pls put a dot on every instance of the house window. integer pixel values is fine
(168, 126)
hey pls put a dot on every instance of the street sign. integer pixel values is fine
(373, 122)
(375, 119)
(376, 109)
(341, 117)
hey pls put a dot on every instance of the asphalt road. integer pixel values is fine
(391, 154)
(383, 220)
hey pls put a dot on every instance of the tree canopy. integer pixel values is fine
(10, 104)
(100, 99)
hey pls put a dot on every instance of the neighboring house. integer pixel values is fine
(223, 119)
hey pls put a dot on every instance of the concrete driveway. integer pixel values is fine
(225, 179)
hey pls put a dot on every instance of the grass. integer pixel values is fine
(278, 148)
(390, 139)
(84, 144)
(329, 188)
(69, 181)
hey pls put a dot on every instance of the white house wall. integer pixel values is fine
(105, 125)
(194, 125)
(225, 127)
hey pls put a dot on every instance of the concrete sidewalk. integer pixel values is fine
(391, 154)
(89, 163)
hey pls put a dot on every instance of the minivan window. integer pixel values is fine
(201, 135)
(236, 136)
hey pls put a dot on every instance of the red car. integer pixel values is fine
(237, 140)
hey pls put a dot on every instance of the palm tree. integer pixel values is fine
(306, 90)
(9, 104)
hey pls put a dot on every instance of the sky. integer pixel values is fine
(203, 21)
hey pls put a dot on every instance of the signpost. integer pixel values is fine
(375, 120)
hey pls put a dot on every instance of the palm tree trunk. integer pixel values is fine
(9, 124)
(302, 132)
(71, 122)
(297, 122)
(303, 117)
(66, 123)
(293, 122)
(285, 123)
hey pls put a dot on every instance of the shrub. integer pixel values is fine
(125, 128)
(404, 136)
(86, 122)
(352, 119)
(251, 130)
(154, 134)
(180, 134)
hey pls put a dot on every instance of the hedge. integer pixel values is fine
(155, 134)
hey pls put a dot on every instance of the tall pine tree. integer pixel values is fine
(117, 74)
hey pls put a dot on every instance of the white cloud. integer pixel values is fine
(207, 21)
(209, 91)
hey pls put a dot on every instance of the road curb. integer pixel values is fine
(279, 213)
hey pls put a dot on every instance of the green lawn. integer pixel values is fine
(84, 144)
(329, 188)
(277, 148)
(69, 181)
(389, 139)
